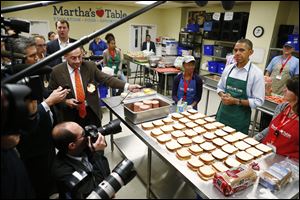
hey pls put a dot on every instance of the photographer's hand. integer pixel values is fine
(57, 96)
(99, 145)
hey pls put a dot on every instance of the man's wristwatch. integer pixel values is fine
(239, 102)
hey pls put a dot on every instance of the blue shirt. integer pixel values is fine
(255, 85)
(191, 90)
(198, 87)
(293, 64)
(97, 49)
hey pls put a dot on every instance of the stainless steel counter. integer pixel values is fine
(204, 188)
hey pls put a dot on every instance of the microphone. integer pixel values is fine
(19, 67)
(8, 54)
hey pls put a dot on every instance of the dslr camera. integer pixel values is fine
(122, 174)
(112, 127)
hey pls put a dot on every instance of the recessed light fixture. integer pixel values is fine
(145, 2)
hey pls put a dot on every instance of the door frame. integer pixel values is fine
(154, 27)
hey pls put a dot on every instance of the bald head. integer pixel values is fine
(59, 128)
(65, 133)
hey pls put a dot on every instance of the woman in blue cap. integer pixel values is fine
(188, 85)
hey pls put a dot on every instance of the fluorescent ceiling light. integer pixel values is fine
(145, 2)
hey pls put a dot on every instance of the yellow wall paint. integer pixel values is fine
(262, 13)
(167, 20)
(171, 22)
(293, 17)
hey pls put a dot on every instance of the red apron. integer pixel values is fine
(284, 134)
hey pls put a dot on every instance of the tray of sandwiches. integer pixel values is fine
(203, 145)
(134, 95)
(146, 108)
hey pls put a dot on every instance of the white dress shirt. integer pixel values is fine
(63, 45)
(47, 109)
(255, 85)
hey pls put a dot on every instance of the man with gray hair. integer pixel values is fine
(36, 148)
(27, 47)
(40, 43)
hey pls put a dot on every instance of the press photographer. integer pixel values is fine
(78, 153)
(36, 148)
(16, 108)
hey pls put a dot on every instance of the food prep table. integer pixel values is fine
(204, 188)
(164, 71)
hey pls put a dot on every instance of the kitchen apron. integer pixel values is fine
(114, 62)
(235, 116)
(280, 75)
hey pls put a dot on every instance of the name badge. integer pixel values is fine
(278, 77)
(91, 88)
(46, 84)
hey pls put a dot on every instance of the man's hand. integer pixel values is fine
(134, 88)
(57, 96)
(72, 103)
(99, 145)
(227, 99)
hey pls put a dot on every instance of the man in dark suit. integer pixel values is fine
(62, 27)
(82, 103)
(148, 44)
(36, 148)
(78, 154)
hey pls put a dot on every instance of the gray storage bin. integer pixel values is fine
(221, 51)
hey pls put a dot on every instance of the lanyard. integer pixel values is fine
(112, 54)
(283, 64)
(282, 123)
(185, 87)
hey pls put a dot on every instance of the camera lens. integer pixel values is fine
(111, 128)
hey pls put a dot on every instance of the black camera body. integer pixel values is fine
(112, 127)
(14, 108)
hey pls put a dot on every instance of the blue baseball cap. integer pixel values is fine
(289, 44)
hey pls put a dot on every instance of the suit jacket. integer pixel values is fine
(39, 141)
(53, 47)
(64, 166)
(152, 46)
(90, 74)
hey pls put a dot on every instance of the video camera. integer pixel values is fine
(112, 127)
(18, 25)
(15, 98)
(122, 174)
(14, 108)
